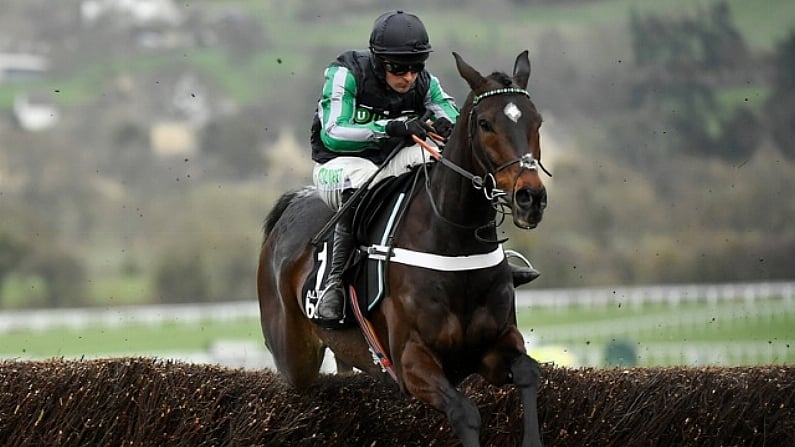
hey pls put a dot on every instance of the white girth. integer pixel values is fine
(436, 262)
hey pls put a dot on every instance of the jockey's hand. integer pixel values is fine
(443, 127)
(405, 129)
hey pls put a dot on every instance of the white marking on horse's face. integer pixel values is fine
(512, 112)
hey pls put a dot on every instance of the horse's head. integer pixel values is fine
(502, 126)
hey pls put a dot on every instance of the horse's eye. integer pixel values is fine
(485, 125)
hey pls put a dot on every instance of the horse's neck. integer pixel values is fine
(458, 200)
(461, 208)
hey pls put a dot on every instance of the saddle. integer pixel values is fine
(375, 221)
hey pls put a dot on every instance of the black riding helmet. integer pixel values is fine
(400, 37)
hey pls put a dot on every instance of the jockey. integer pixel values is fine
(371, 99)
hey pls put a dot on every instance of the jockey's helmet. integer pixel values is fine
(399, 36)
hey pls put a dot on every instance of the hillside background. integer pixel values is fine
(173, 127)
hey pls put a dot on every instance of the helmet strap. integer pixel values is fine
(378, 66)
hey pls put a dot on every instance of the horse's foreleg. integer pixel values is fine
(343, 368)
(525, 372)
(463, 415)
(422, 377)
(507, 362)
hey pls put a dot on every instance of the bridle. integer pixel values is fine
(526, 161)
(486, 182)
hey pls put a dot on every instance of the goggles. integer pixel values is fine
(399, 69)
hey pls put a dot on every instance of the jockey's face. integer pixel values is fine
(401, 83)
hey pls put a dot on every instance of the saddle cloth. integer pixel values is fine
(375, 221)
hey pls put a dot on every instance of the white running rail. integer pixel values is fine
(44, 319)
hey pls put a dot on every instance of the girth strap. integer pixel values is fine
(434, 261)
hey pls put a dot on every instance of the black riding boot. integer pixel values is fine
(330, 305)
(521, 274)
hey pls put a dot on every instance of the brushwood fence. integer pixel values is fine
(146, 402)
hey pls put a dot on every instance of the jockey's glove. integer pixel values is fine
(405, 129)
(443, 127)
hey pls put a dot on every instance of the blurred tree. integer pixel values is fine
(721, 42)
(236, 141)
(12, 252)
(630, 207)
(129, 153)
(181, 278)
(236, 269)
(781, 105)
(711, 40)
(740, 135)
(241, 35)
(30, 246)
(681, 60)
(64, 276)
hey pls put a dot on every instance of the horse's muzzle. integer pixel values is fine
(528, 207)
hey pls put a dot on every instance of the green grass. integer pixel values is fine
(245, 82)
(19, 292)
(134, 339)
(242, 81)
(763, 23)
(116, 290)
(22, 291)
(86, 82)
(734, 322)
(663, 335)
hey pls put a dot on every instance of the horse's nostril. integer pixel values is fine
(528, 197)
(524, 198)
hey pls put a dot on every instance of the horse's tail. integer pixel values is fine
(278, 209)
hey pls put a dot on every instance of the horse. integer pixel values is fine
(438, 326)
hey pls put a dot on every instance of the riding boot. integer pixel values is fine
(523, 275)
(330, 305)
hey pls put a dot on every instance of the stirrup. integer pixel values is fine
(515, 254)
(522, 275)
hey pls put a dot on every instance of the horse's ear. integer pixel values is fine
(521, 70)
(473, 78)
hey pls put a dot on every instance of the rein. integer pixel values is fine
(478, 182)
(491, 194)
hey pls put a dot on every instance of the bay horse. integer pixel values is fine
(438, 326)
